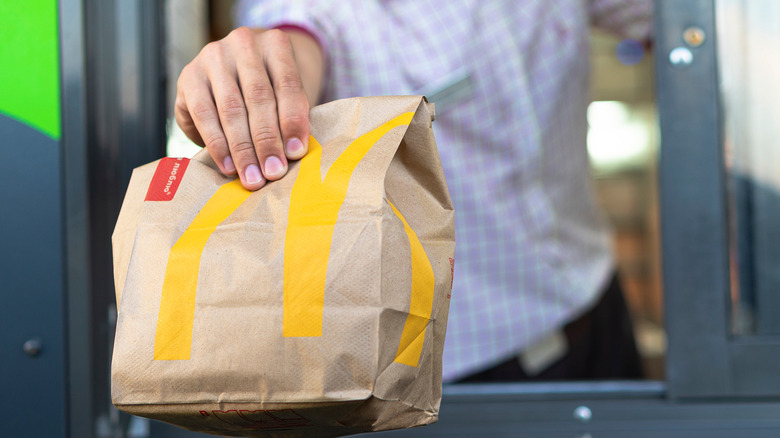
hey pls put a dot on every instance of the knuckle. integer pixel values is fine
(289, 83)
(201, 111)
(243, 154)
(188, 77)
(241, 33)
(232, 107)
(241, 37)
(210, 50)
(277, 36)
(185, 72)
(216, 142)
(292, 120)
(259, 93)
(180, 87)
(242, 148)
(265, 137)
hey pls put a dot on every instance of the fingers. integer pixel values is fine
(184, 119)
(233, 118)
(243, 99)
(292, 102)
(260, 99)
(277, 105)
(197, 116)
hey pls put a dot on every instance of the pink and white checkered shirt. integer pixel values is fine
(510, 79)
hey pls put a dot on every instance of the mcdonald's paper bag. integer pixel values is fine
(315, 306)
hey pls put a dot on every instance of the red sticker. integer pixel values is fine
(166, 179)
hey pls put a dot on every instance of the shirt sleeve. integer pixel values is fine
(272, 14)
(310, 16)
(627, 18)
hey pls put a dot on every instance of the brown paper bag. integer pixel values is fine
(315, 306)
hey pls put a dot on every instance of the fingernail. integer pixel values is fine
(253, 175)
(273, 166)
(294, 146)
(228, 165)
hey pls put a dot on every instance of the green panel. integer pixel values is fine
(29, 64)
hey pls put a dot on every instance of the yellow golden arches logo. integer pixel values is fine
(173, 339)
(421, 306)
(314, 206)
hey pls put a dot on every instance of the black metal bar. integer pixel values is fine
(693, 205)
(76, 219)
(556, 391)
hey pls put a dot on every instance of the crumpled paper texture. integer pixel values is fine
(215, 336)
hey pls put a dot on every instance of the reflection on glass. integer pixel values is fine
(749, 64)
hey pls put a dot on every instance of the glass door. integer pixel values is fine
(719, 97)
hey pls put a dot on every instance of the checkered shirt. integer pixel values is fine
(532, 250)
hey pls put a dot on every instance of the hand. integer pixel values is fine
(243, 98)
